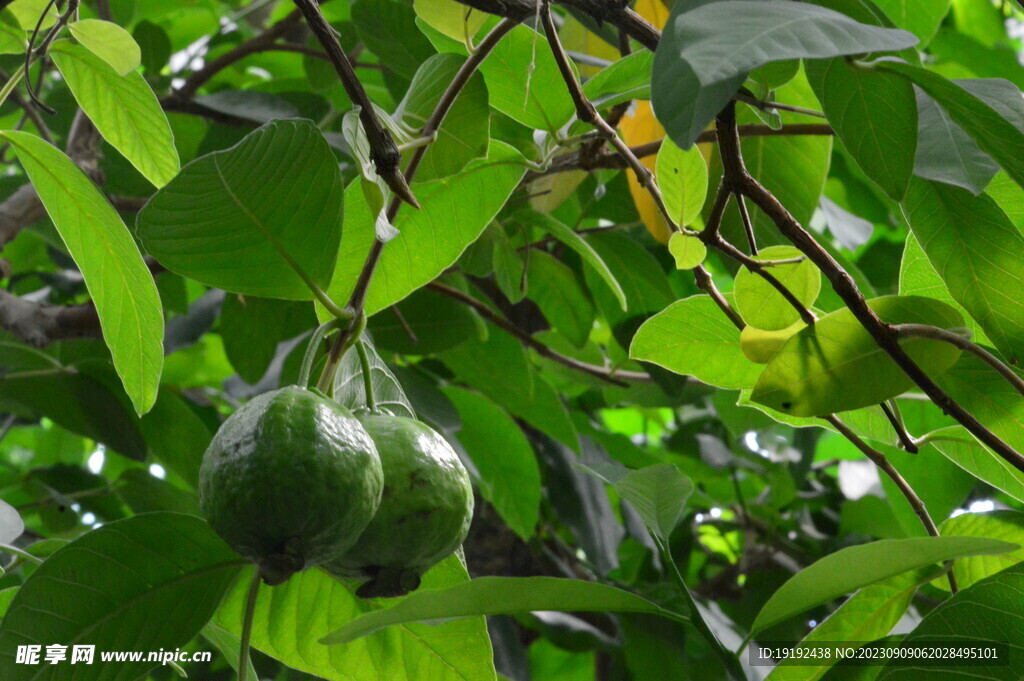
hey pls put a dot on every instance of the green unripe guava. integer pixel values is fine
(424, 513)
(290, 480)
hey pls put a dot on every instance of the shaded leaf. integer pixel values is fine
(835, 365)
(854, 567)
(499, 595)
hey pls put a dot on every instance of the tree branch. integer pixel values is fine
(740, 180)
(886, 467)
(616, 13)
(462, 76)
(259, 43)
(40, 325)
(384, 152)
(579, 160)
(935, 333)
(610, 375)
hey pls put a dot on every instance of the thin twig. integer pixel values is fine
(211, 68)
(761, 270)
(901, 430)
(613, 161)
(748, 224)
(935, 333)
(612, 376)
(886, 467)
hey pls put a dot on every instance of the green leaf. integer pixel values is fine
(436, 321)
(992, 610)
(869, 614)
(109, 42)
(960, 447)
(683, 179)
(625, 79)
(736, 36)
(986, 124)
(761, 305)
(945, 153)
(290, 617)
(689, 251)
(919, 278)
(978, 253)
(105, 588)
(12, 36)
(520, 391)
(854, 567)
(509, 476)
(252, 327)
(835, 365)
(921, 19)
(988, 396)
(34, 385)
(570, 238)
(560, 296)
(455, 210)
(261, 218)
(388, 29)
(658, 493)
(705, 53)
(523, 80)
(1006, 526)
(499, 595)
(465, 132)
(118, 280)
(639, 275)
(456, 21)
(350, 389)
(874, 115)
(124, 110)
(760, 345)
(144, 493)
(693, 338)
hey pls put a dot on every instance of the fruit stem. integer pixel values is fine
(250, 610)
(314, 342)
(354, 332)
(364, 362)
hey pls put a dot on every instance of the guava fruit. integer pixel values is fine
(424, 513)
(290, 480)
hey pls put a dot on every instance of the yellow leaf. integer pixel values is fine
(641, 127)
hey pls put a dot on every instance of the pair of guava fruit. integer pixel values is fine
(293, 480)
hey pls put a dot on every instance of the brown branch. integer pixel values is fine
(610, 375)
(383, 151)
(616, 13)
(741, 181)
(261, 42)
(760, 269)
(935, 333)
(578, 160)
(40, 325)
(901, 431)
(358, 298)
(886, 467)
